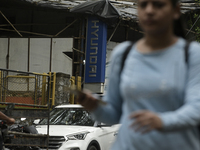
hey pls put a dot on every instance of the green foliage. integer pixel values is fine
(198, 34)
(196, 27)
(195, 15)
(189, 23)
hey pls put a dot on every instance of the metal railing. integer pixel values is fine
(31, 95)
(23, 87)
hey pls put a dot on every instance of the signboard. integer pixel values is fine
(95, 51)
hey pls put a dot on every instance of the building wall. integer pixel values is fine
(3, 52)
(18, 54)
(59, 58)
(39, 55)
(110, 46)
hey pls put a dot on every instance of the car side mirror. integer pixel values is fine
(36, 121)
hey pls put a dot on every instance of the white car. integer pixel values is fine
(72, 128)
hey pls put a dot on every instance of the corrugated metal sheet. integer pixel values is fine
(127, 8)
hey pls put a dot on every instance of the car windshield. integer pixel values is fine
(69, 116)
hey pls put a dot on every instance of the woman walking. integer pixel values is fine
(156, 97)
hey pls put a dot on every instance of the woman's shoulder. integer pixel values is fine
(194, 52)
(120, 49)
(194, 47)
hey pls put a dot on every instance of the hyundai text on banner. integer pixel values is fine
(95, 51)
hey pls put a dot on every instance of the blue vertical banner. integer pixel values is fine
(95, 51)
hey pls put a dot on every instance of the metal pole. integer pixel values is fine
(49, 82)
(66, 27)
(82, 47)
(193, 25)
(10, 23)
(50, 56)
(113, 32)
(28, 54)
(8, 55)
(28, 32)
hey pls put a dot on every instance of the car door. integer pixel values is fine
(107, 134)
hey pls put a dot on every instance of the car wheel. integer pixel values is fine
(92, 147)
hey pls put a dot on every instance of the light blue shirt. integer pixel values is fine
(161, 82)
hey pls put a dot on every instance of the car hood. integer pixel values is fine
(58, 130)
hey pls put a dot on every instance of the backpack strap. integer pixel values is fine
(127, 50)
(125, 54)
(186, 49)
(187, 45)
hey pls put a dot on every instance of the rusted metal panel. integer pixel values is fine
(26, 139)
(27, 113)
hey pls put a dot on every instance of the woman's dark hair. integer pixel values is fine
(178, 24)
(174, 2)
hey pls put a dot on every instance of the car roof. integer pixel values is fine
(69, 106)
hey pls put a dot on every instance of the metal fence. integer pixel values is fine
(24, 87)
(35, 89)
(31, 96)
(28, 95)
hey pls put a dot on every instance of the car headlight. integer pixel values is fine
(78, 136)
